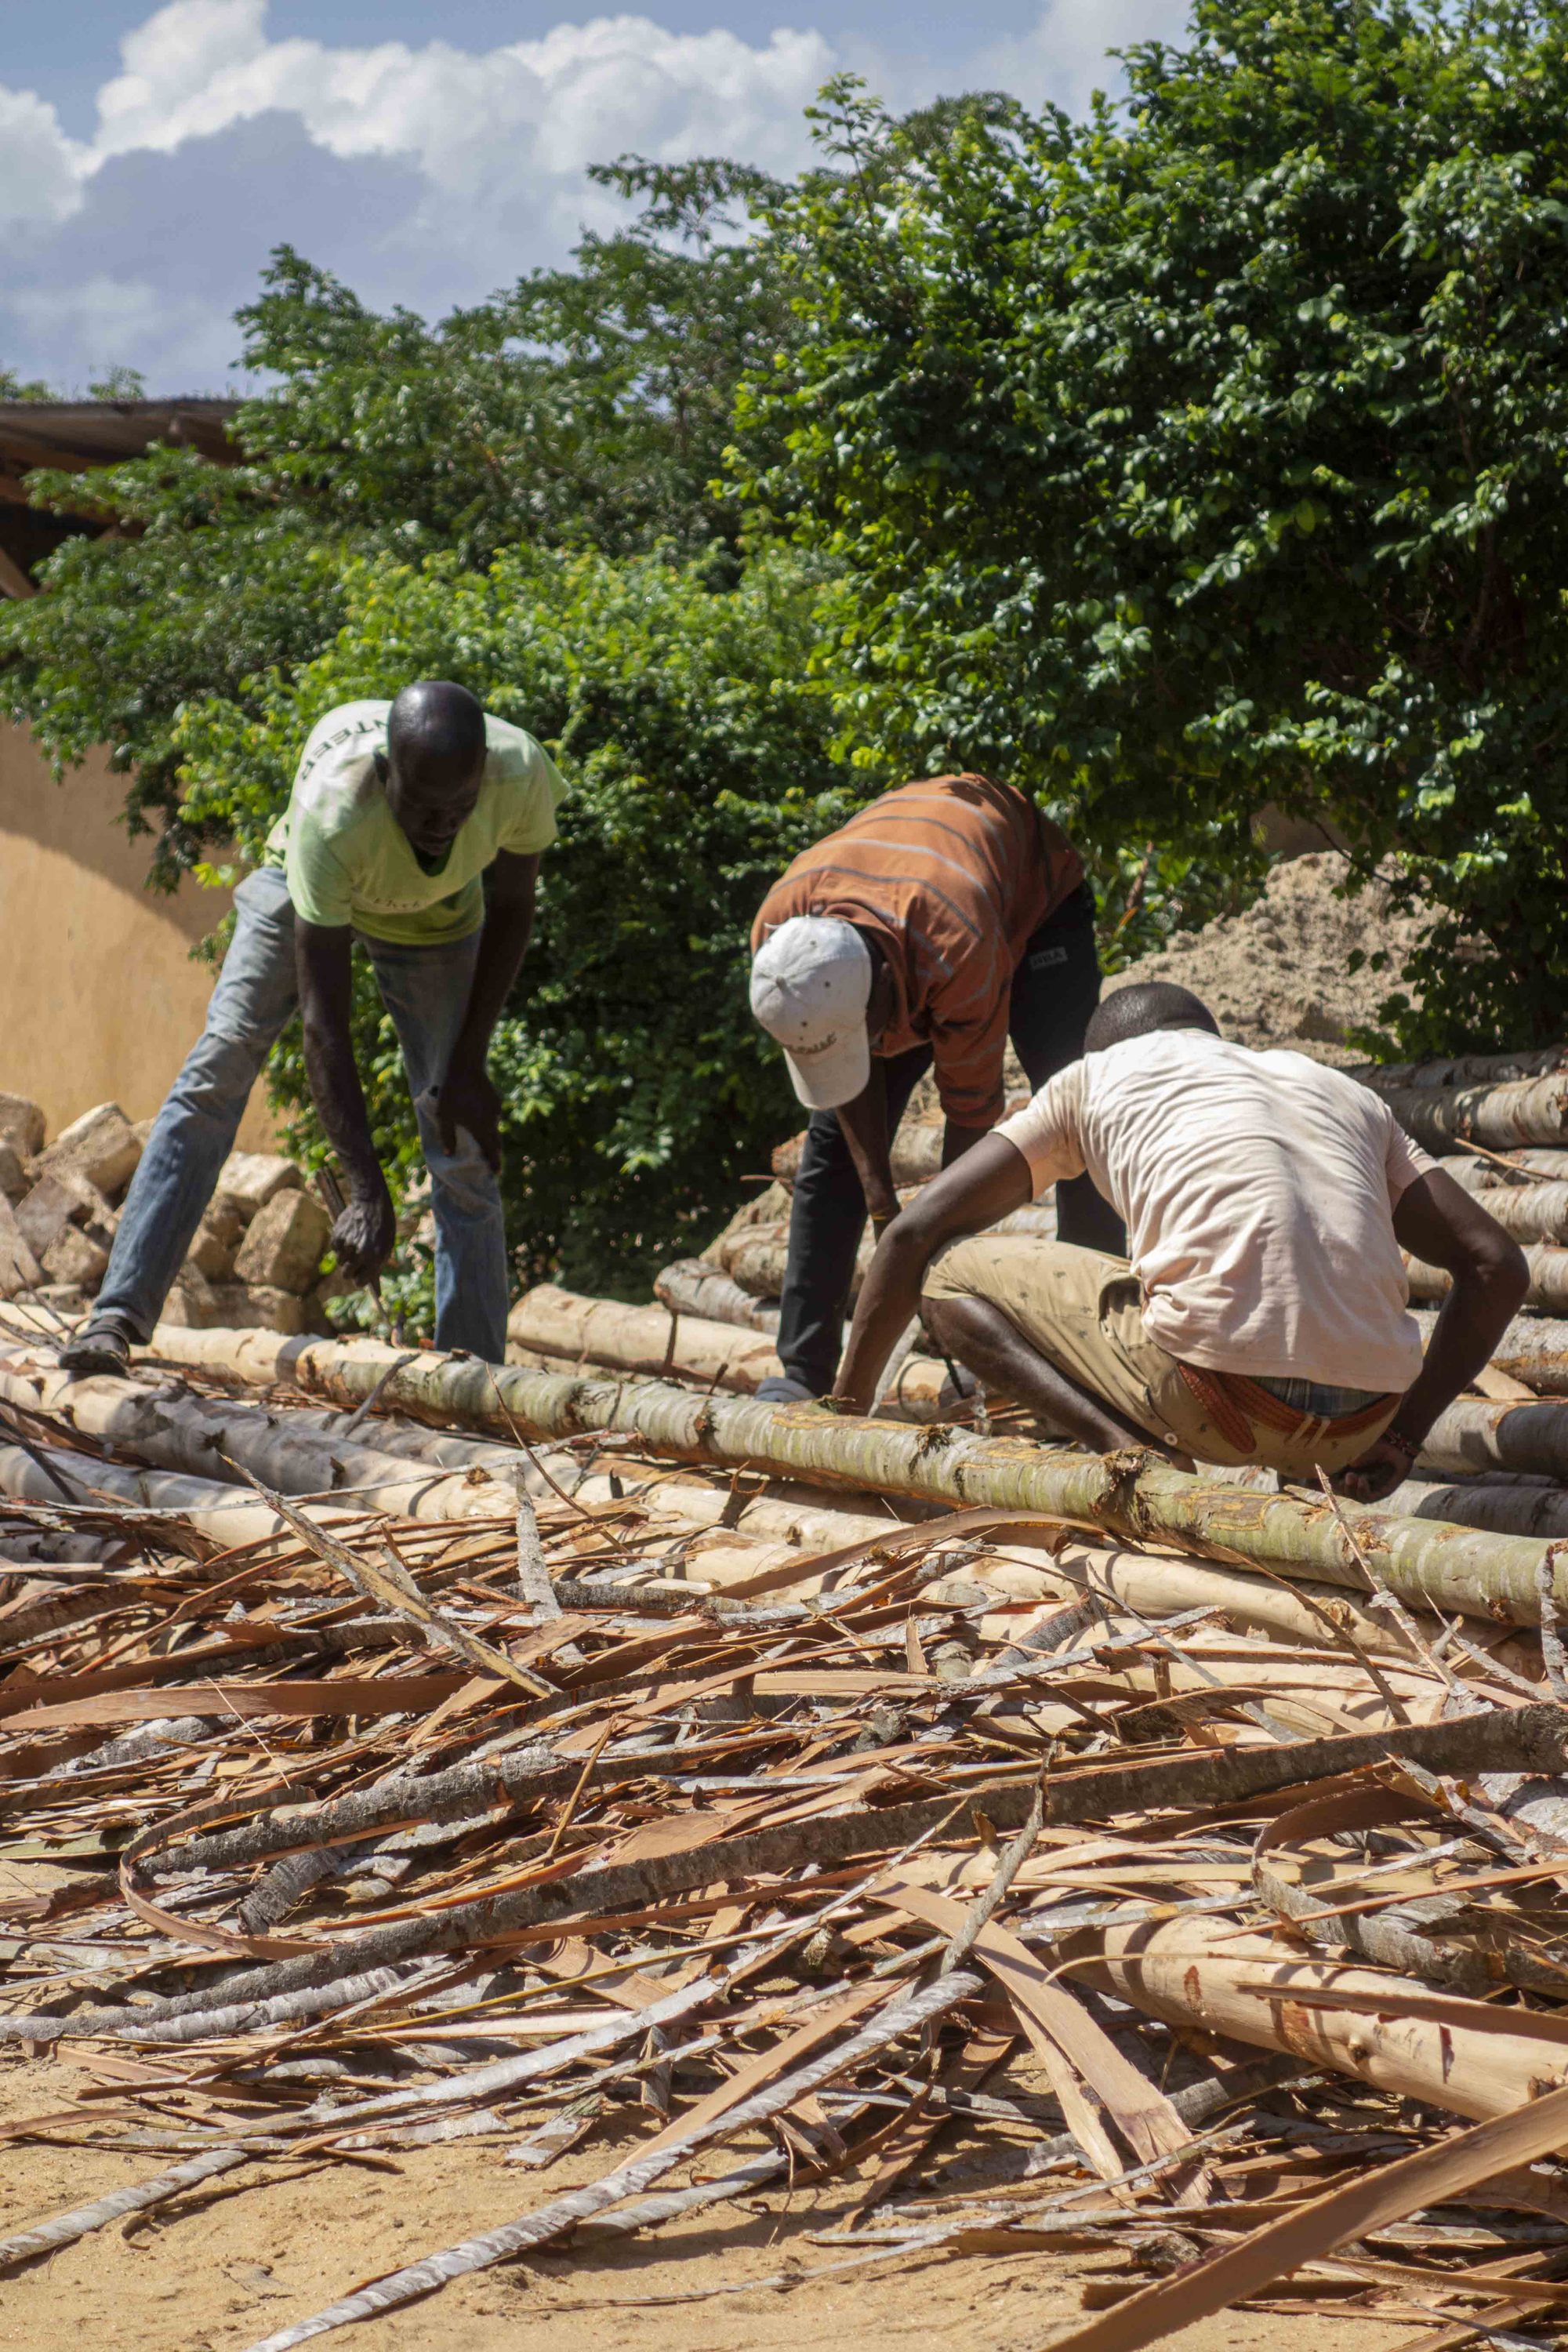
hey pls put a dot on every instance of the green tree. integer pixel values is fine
(16, 387)
(1211, 452)
(482, 500)
(585, 407)
(214, 583)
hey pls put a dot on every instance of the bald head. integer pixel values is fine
(1146, 1004)
(435, 762)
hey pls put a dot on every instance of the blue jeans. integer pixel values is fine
(1055, 988)
(425, 990)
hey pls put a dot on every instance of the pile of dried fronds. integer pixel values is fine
(1221, 1914)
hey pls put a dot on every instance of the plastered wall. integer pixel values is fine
(98, 996)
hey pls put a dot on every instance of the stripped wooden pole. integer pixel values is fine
(692, 1286)
(1548, 1266)
(1533, 1349)
(1530, 1213)
(1461, 1070)
(1395, 2032)
(1501, 1116)
(551, 1329)
(1475, 1435)
(1426, 1564)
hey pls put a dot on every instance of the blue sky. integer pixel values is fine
(149, 156)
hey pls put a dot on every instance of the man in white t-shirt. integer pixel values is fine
(1262, 1315)
(416, 827)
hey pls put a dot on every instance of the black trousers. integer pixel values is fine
(1055, 990)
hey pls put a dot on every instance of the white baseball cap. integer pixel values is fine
(811, 982)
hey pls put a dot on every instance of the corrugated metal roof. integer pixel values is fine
(74, 433)
(99, 432)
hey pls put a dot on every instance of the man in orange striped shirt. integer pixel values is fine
(941, 919)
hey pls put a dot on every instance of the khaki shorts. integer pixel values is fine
(1084, 1313)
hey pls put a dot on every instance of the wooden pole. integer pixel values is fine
(1460, 2054)
(1547, 1266)
(1426, 1563)
(692, 1286)
(1500, 1117)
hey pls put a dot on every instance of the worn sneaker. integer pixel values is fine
(100, 1347)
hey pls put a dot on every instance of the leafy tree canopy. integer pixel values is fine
(16, 387)
(588, 407)
(1212, 451)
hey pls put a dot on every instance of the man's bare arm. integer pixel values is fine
(1437, 1220)
(984, 1185)
(363, 1236)
(468, 1098)
(865, 1125)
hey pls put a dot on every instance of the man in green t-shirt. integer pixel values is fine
(418, 826)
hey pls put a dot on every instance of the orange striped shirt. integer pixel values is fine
(954, 875)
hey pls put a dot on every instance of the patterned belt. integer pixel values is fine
(1237, 1406)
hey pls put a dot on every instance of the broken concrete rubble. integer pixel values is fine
(60, 1213)
(250, 1178)
(55, 1202)
(194, 1303)
(75, 1257)
(19, 1268)
(101, 1145)
(283, 1248)
(21, 1125)
(210, 1254)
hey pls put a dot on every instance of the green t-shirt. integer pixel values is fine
(347, 860)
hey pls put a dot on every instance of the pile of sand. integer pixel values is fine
(1280, 973)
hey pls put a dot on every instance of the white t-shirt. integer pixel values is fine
(1258, 1193)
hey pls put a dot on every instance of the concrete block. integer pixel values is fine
(65, 1198)
(248, 1180)
(46, 1210)
(14, 1177)
(101, 1145)
(19, 1267)
(222, 1218)
(190, 1301)
(197, 1305)
(256, 1307)
(74, 1257)
(211, 1253)
(21, 1125)
(282, 1250)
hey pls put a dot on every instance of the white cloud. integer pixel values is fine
(1064, 58)
(105, 317)
(184, 67)
(528, 112)
(421, 173)
(500, 139)
(39, 167)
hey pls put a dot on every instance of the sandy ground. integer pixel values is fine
(235, 2261)
(229, 2265)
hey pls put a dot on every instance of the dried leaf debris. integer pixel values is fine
(1216, 1923)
